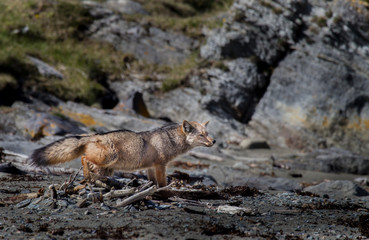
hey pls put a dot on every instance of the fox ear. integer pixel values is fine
(187, 127)
(205, 124)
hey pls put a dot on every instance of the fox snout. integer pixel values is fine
(210, 142)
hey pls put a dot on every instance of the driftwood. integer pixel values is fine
(119, 193)
(206, 156)
(20, 197)
(70, 181)
(141, 195)
(137, 196)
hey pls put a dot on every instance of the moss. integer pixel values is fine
(7, 81)
(220, 65)
(320, 21)
(329, 13)
(177, 74)
(337, 19)
(53, 31)
(239, 15)
(185, 16)
(269, 5)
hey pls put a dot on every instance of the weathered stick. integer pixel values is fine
(137, 196)
(206, 156)
(119, 193)
(66, 184)
(142, 195)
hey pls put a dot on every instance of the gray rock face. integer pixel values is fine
(143, 41)
(261, 29)
(45, 69)
(338, 189)
(317, 94)
(232, 92)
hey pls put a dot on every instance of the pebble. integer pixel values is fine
(240, 166)
(81, 203)
(62, 203)
(23, 203)
(33, 206)
(104, 207)
(163, 207)
(87, 212)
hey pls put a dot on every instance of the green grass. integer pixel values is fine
(54, 36)
(185, 16)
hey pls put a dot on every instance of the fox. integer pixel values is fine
(102, 153)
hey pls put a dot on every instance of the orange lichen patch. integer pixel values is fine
(294, 115)
(361, 7)
(325, 122)
(359, 124)
(85, 119)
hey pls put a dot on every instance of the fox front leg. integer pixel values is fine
(151, 175)
(157, 175)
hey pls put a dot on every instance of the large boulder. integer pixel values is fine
(329, 160)
(338, 189)
(316, 96)
(232, 89)
(318, 93)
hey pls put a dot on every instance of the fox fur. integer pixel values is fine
(126, 150)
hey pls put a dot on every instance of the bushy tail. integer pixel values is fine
(63, 150)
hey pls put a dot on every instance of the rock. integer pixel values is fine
(231, 90)
(23, 203)
(313, 108)
(108, 120)
(233, 210)
(267, 183)
(332, 160)
(318, 92)
(8, 89)
(125, 7)
(254, 144)
(338, 189)
(144, 42)
(82, 203)
(43, 124)
(259, 29)
(45, 69)
(130, 94)
(240, 166)
(185, 104)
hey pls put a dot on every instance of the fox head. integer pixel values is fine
(196, 134)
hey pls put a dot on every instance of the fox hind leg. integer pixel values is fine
(93, 172)
(86, 168)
